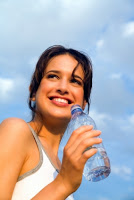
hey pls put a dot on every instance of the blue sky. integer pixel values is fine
(105, 31)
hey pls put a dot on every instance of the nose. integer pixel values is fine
(63, 87)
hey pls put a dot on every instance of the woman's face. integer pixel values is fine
(58, 90)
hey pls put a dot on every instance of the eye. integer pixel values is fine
(76, 81)
(52, 76)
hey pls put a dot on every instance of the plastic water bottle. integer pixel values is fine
(98, 166)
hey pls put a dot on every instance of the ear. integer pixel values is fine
(33, 97)
(84, 104)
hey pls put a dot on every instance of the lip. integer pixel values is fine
(60, 103)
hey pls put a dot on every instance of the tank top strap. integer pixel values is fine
(35, 137)
(40, 154)
(39, 145)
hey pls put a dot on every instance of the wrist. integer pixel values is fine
(61, 187)
(53, 191)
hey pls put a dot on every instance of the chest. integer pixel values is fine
(34, 157)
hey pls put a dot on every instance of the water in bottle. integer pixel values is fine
(98, 166)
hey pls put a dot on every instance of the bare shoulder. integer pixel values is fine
(14, 126)
(14, 132)
(13, 122)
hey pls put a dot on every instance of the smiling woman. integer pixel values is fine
(31, 169)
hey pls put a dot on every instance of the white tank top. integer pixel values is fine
(33, 181)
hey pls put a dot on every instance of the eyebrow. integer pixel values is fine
(76, 76)
(57, 72)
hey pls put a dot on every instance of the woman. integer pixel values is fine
(30, 168)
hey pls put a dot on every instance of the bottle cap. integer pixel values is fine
(76, 108)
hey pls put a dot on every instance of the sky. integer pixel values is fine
(102, 29)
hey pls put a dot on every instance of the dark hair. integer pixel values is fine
(42, 63)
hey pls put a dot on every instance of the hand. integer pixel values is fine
(75, 156)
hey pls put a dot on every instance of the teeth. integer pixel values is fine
(61, 100)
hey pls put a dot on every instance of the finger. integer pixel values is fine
(80, 150)
(76, 133)
(81, 137)
(87, 155)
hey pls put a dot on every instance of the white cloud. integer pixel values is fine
(131, 119)
(112, 92)
(117, 52)
(43, 23)
(103, 198)
(128, 29)
(101, 119)
(100, 43)
(116, 76)
(127, 124)
(40, 5)
(122, 171)
(6, 88)
(13, 89)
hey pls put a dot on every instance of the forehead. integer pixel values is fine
(65, 63)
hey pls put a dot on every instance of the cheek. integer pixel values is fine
(43, 91)
(45, 87)
(80, 96)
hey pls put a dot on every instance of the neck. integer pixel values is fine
(50, 133)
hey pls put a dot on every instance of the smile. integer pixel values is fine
(61, 100)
